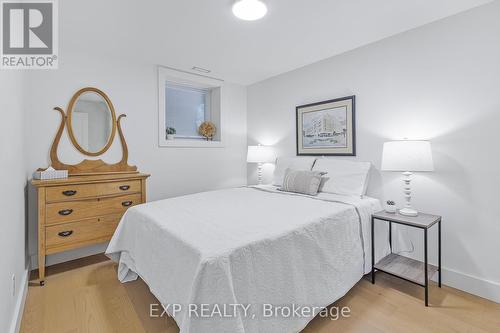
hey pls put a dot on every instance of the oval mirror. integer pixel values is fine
(91, 121)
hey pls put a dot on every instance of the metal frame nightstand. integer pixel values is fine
(403, 267)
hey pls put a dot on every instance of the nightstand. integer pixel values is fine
(408, 269)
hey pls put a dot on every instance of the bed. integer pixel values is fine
(240, 253)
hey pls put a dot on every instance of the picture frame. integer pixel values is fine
(327, 128)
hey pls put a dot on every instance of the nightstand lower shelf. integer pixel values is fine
(405, 268)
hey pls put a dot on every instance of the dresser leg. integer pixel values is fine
(41, 269)
(41, 235)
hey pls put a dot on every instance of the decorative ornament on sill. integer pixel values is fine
(207, 129)
(171, 133)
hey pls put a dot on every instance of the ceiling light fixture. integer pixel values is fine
(249, 10)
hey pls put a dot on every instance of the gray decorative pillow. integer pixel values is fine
(300, 181)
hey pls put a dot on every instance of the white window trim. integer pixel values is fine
(192, 80)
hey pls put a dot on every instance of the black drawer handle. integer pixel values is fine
(65, 233)
(69, 193)
(124, 187)
(65, 212)
(126, 203)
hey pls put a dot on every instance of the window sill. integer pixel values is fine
(180, 143)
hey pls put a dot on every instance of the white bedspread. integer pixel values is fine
(249, 246)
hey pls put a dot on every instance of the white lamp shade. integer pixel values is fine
(407, 155)
(260, 154)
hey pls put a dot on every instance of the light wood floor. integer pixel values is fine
(85, 296)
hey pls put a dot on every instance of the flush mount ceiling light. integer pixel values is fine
(249, 10)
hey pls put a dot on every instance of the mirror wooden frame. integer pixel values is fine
(91, 167)
(71, 134)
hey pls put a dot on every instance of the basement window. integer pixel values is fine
(185, 102)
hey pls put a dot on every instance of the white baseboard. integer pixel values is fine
(15, 325)
(471, 284)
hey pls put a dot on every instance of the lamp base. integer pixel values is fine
(408, 212)
(259, 172)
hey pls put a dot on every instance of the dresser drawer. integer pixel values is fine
(66, 236)
(80, 191)
(76, 210)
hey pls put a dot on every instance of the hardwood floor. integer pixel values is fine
(85, 296)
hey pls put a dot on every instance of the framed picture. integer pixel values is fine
(327, 128)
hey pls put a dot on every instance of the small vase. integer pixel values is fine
(390, 209)
(170, 136)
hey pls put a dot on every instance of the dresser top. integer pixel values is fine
(88, 179)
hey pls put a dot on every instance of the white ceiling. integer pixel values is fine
(204, 33)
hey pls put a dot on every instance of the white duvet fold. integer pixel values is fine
(245, 248)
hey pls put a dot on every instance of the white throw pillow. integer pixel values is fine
(295, 163)
(344, 177)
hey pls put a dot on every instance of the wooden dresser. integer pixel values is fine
(86, 207)
(83, 210)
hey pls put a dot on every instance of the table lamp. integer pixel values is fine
(407, 156)
(260, 155)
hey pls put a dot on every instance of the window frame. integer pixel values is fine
(197, 82)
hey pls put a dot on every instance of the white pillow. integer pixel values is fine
(343, 177)
(295, 163)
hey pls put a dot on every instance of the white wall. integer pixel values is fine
(439, 82)
(13, 259)
(132, 87)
